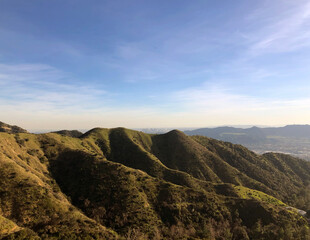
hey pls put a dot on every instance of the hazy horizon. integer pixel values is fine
(77, 65)
(152, 129)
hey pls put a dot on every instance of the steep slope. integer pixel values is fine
(169, 156)
(181, 152)
(142, 186)
(9, 230)
(264, 169)
(297, 170)
(30, 197)
(132, 149)
(124, 198)
(160, 209)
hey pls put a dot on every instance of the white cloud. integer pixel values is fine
(216, 106)
(285, 29)
(204, 105)
(36, 87)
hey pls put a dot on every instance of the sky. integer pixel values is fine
(74, 64)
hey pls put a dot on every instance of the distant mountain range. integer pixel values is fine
(292, 139)
(253, 134)
(125, 184)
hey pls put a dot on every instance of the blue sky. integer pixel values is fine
(80, 64)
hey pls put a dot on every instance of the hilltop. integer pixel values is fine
(125, 184)
(69, 133)
(11, 129)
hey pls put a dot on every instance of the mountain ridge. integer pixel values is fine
(120, 183)
(4, 127)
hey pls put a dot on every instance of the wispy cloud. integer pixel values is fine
(217, 101)
(212, 98)
(283, 30)
(38, 87)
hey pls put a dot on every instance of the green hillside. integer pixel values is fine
(124, 184)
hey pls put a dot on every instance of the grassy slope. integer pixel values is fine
(99, 172)
(175, 150)
(182, 152)
(32, 199)
(9, 230)
(169, 156)
(156, 206)
(284, 182)
(132, 149)
(146, 203)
